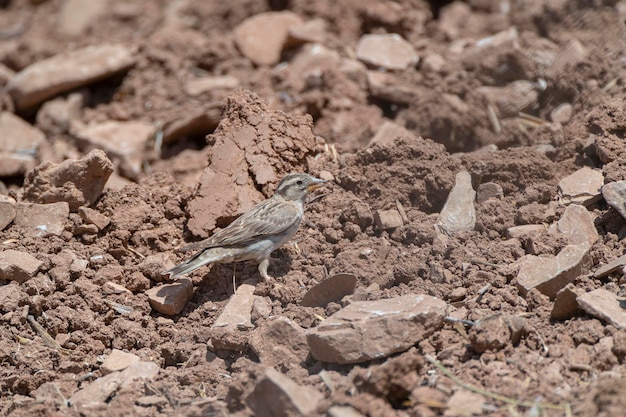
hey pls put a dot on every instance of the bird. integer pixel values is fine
(257, 233)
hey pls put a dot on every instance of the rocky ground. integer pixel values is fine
(465, 256)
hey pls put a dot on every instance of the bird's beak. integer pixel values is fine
(315, 184)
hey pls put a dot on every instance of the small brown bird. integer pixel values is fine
(257, 233)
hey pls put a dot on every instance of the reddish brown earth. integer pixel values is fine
(318, 114)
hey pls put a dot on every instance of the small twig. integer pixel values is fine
(493, 118)
(489, 394)
(479, 262)
(135, 251)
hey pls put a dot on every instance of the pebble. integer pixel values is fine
(261, 38)
(279, 341)
(8, 209)
(76, 182)
(55, 115)
(94, 217)
(68, 71)
(228, 330)
(367, 330)
(581, 187)
(565, 305)
(19, 145)
(387, 219)
(332, 289)
(562, 113)
(388, 51)
(488, 191)
(458, 213)
(40, 220)
(76, 16)
(154, 265)
(433, 63)
(615, 195)
(525, 230)
(604, 305)
(197, 86)
(388, 132)
(18, 266)
(549, 274)
(170, 299)
(118, 360)
(122, 141)
(313, 31)
(573, 53)
(276, 395)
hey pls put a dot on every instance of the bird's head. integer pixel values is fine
(296, 186)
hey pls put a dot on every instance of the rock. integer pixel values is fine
(388, 132)
(6, 74)
(332, 289)
(49, 392)
(561, 113)
(459, 214)
(265, 143)
(96, 392)
(387, 219)
(170, 299)
(610, 267)
(91, 216)
(8, 209)
(465, 403)
(525, 230)
(11, 295)
(194, 124)
(122, 141)
(433, 63)
(615, 195)
(68, 71)
(77, 182)
(19, 145)
(573, 53)
(118, 360)
(261, 38)
(367, 330)
(565, 305)
(343, 411)
(582, 187)
(496, 332)
(196, 86)
(389, 51)
(55, 115)
(313, 31)
(577, 225)
(280, 341)
(42, 219)
(138, 370)
(154, 265)
(110, 287)
(604, 305)
(76, 16)
(488, 191)
(230, 329)
(276, 395)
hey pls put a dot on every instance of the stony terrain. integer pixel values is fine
(465, 256)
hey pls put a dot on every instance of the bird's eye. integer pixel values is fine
(299, 182)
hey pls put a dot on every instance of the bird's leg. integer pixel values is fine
(263, 269)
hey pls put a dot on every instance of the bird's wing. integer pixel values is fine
(268, 218)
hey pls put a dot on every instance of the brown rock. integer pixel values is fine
(581, 187)
(252, 148)
(604, 305)
(8, 209)
(610, 267)
(459, 214)
(525, 230)
(55, 115)
(170, 299)
(389, 51)
(19, 145)
(11, 295)
(279, 341)
(261, 37)
(496, 332)
(49, 391)
(76, 16)
(565, 305)
(138, 370)
(67, 71)
(367, 330)
(77, 182)
(312, 31)
(122, 141)
(332, 289)
(118, 360)
(387, 219)
(615, 195)
(512, 98)
(573, 53)
(191, 125)
(577, 225)
(465, 403)
(96, 392)
(154, 265)
(196, 86)
(230, 330)
(343, 411)
(92, 216)
(488, 191)
(388, 132)
(561, 113)
(42, 219)
(275, 395)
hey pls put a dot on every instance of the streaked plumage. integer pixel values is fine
(257, 233)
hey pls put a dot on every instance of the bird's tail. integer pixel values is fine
(200, 259)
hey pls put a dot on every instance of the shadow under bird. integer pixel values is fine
(257, 233)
